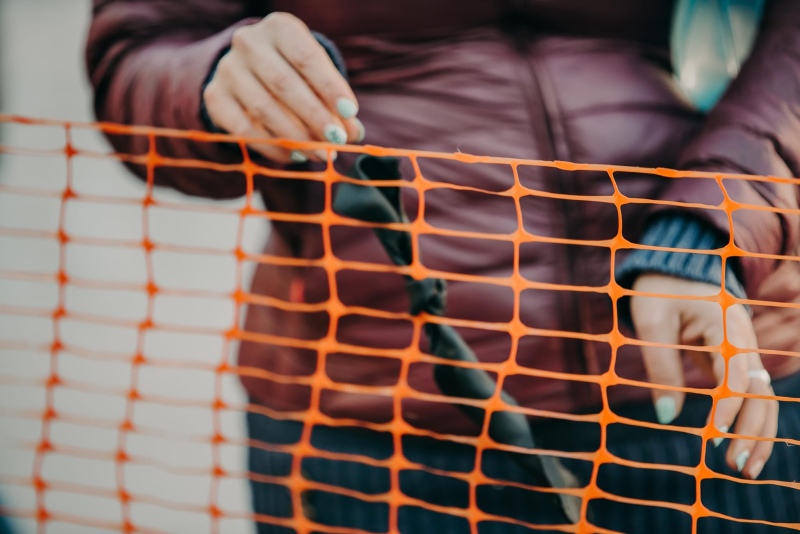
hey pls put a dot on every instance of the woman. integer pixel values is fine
(569, 80)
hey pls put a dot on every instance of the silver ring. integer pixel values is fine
(761, 374)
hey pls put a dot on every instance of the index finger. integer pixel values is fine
(302, 50)
(660, 323)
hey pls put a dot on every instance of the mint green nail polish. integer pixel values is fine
(666, 410)
(720, 439)
(298, 157)
(346, 108)
(335, 134)
(741, 459)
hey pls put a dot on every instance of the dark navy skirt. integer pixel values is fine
(737, 500)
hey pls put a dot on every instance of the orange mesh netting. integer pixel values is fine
(79, 381)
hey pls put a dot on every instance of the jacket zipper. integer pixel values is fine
(544, 114)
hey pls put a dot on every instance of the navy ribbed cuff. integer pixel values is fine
(677, 230)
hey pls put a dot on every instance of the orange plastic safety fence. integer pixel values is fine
(125, 499)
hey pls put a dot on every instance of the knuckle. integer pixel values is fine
(280, 22)
(262, 111)
(277, 18)
(301, 56)
(224, 68)
(242, 38)
(328, 87)
(279, 80)
(212, 94)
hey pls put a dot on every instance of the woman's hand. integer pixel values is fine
(277, 81)
(698, 322)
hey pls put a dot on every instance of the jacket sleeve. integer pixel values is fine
(754, 129)
(148, 61)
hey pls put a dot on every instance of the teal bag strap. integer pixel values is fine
(710, 40)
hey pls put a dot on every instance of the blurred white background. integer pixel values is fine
(42, 75)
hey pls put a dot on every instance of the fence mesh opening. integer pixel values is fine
(110, 391)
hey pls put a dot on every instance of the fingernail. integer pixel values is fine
(741, 459)
(666, 409)
(362, 132)
(755, 470)
(346, 108)
(298, 157)
(720, 439)
(335, 134)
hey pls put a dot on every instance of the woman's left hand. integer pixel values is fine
(678, 321)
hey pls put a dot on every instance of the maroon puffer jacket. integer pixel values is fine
(578, 80)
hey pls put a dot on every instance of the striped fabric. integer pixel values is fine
(741, 501)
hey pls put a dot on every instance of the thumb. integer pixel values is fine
(664, 365)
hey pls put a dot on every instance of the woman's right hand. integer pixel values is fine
(277, 81)
(696, 321)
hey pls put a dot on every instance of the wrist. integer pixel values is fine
(679, 231)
